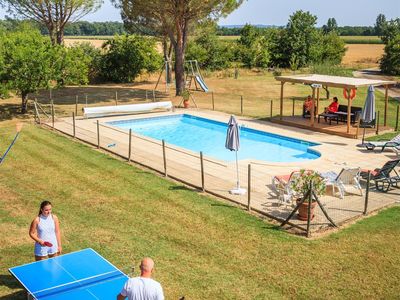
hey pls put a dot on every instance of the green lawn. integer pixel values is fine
(203, 248)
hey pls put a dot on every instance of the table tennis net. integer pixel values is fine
(78, 284)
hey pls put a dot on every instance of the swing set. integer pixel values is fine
(3, 157)
(192, 72)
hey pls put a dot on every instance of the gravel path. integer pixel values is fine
(394, 92)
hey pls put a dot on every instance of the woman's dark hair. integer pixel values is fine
(42, 205)
(335, 99)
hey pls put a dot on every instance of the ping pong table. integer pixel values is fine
(84, 274)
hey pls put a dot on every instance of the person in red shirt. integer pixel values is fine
(308, 103)
(333, 107)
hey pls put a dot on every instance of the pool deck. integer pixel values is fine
(336, 152)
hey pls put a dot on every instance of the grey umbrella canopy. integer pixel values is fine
(368, 111)
(232, 135)
(233, 143)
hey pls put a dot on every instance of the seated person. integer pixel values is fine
(333, 107)
(308, 103)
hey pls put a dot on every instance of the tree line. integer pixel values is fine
(85, 28)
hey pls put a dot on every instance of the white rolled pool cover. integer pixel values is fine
(91, 112)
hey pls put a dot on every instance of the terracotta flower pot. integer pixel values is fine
(186, 103)
(303, 210)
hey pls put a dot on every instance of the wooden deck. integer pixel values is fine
(333, 128)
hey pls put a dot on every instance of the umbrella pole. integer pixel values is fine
(237, 171)
(363, 136)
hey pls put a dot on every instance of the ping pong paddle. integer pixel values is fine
(48, 244)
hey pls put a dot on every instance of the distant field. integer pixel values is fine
(95, 42)
(361, 39)
(88, 37)
(363, 55)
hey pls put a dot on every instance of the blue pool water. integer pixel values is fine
(200, 134)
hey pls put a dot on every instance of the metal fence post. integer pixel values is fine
(76, 105)
(249, 187)
(309, 209)
(73, 123)
(241, 105)
(271, 106)
(212, 99)
(146, 96)
(52, 113)
(86, 100)
(164, 158)
(202, 172)
(293, 108)
(367, 194)
(377, 123)
(397, 118)
(130, 145)
(116, 97)
(98, 134)
(154, 96)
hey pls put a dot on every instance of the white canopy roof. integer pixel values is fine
(333, 81)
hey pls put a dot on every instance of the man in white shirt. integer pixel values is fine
(143, 287)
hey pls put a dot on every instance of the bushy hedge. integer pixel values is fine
(210, 52)
(126, 57)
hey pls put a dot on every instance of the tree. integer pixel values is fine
(208, 49)
(390, 62)
(29, 62)
(174, 18)
(380, 24)
(330, 26)
(127, 57)
(53, 14)
(299, 39)
(252, 48)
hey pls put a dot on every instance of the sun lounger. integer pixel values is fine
(396, 150)
(384, 177)
(91, 112)
(282, 186)
(346, 179)
(394, 142)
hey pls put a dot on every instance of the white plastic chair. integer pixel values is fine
(282, 186)
(347, 178)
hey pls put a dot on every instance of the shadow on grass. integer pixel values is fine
(11, 283)
(11, 111)
(181, 188)
(98, 94)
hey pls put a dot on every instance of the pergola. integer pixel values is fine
(317, 81)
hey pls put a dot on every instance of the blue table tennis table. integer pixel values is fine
(78, 275)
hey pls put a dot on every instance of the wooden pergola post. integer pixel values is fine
(312, 113)
(386, 105)
(317, 107)
(348, 109)
(281, 104)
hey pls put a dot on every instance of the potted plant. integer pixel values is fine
(185, 95)
(301, 184)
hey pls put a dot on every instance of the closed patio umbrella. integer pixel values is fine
(368, 111)
(232, 143)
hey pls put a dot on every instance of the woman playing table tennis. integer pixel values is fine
(45, 231)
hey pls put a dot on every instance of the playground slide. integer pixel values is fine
(201, 83)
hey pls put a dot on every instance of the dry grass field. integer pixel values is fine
(96, 43)
(363, 55)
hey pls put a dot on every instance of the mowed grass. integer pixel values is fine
(203, 248)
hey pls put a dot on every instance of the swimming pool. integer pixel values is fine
(200, 134)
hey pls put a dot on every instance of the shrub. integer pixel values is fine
(390, 62)
(128, 56)
(210, 52)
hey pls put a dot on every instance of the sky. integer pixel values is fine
(273, 12)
